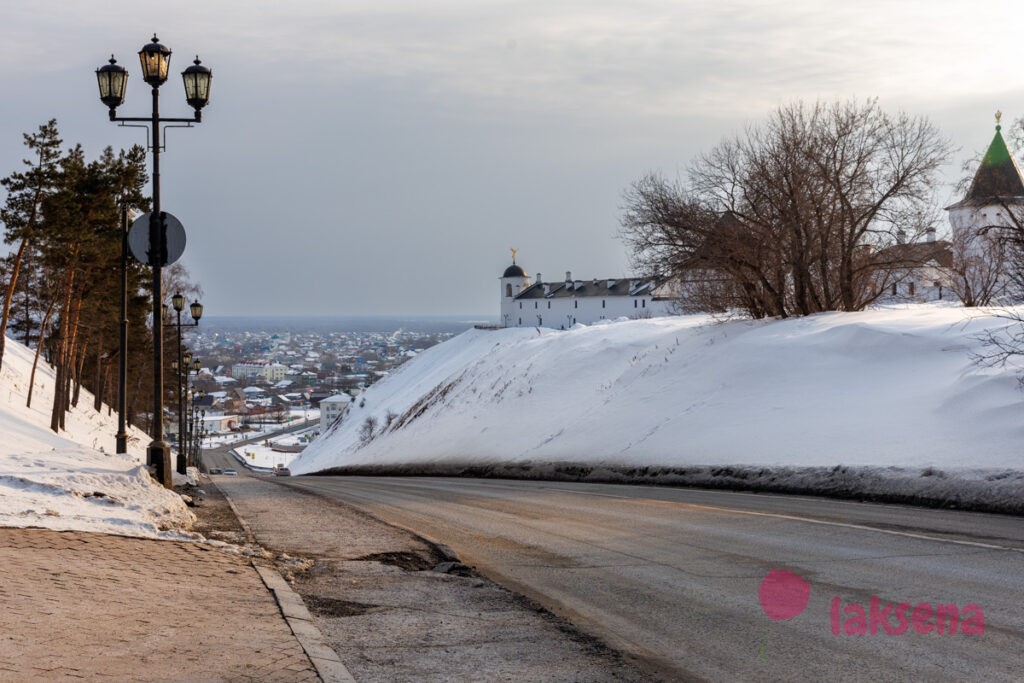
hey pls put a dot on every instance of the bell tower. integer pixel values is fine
(513, 281)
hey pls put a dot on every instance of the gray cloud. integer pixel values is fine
(365, 157)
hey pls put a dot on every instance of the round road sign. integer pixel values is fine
(174, 239)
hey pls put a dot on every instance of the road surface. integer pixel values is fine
(672, 577)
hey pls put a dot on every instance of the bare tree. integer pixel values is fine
(978, 272)
(368, 430)
(795, 215)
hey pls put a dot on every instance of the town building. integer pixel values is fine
(272, 372)
(332, 408)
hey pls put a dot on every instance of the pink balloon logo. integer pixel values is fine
(783, 594)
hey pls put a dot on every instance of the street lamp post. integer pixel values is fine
(190, 367)
(122, 365)
(112, 78)
(183, 365)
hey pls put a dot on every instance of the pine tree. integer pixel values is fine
(21, 213)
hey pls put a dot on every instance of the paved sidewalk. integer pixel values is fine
(83, 605)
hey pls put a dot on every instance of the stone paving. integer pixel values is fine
(81, 605)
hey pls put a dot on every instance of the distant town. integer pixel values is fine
(259, 373)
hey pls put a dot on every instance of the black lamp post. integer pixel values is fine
(122, 356)
(183, 365)
(112, 78)
(191, 452)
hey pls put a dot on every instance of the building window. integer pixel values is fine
(534, 305)
(508, 290)
(549, 304)
(894, 289)
(540, 320)
(643, 303)
(520, 307)
(635, 304)
(575, 304)
(910, 289)
(520, 322)
(602, 303)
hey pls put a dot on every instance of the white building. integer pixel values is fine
(248, 370)
(994, 205)
(561, 305)
(275, 372)
(272, 372)
(332, 408)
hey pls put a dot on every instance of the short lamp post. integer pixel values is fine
(192, 453)
(112, 78)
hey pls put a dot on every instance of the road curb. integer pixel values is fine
(325, 660)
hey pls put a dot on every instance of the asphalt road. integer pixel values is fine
(671, 577)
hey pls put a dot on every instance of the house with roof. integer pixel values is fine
(996, 195)
(993, 201)
(993, 206)
(560, 305)
(333, 408)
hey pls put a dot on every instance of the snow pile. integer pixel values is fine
(74, 481)
(873, 399)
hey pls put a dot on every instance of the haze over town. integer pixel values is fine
(380, 158)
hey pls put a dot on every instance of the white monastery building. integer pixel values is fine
(560, 305)
(993, 203)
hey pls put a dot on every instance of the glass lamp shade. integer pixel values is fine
(156, 61)
(174, 365)
(197, 310)
(187, 357)
(178, 301)
(112, 79)
(197, 85)
(197, 366)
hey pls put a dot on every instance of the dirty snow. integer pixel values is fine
(73, 480)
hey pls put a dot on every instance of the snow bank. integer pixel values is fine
(882, 396)
(73, 481)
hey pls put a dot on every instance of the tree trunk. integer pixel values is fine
(79, 371)
(99, 385)
(62, 361)
(9, 297)
(39, 346)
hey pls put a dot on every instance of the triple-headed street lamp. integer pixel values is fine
(113, 79)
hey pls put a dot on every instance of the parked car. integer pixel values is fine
(231, 472)
(216, 470)
(282, 472)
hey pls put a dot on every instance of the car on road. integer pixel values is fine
(282, 472)
(216, 470)
(231, 472)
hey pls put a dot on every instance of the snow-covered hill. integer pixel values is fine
(881, 402)
(74, 480)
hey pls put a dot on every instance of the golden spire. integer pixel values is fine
(513, 250)
(999, 115)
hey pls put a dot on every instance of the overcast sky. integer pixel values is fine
(375, 157)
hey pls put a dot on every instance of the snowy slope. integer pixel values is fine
(890, 387)
(74, 480)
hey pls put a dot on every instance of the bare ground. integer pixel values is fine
(396, 607)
